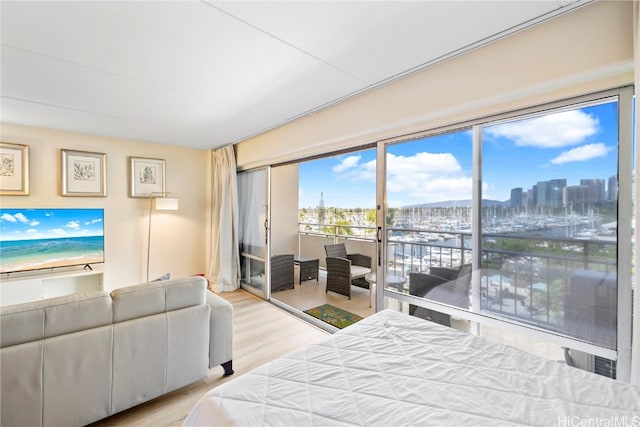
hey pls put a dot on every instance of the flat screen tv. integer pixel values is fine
(36, 239)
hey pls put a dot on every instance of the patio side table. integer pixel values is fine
(308, 267)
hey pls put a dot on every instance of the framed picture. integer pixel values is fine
(147, 177)
(14, 169)
(83, 173)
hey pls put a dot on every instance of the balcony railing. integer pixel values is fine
(338, 231)
(526, 278)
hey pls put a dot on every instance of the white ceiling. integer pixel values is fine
(204, 74)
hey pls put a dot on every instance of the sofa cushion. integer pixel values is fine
(186, 292)
(152, 298)
(21, 323)
(51, 317)
(77, 312)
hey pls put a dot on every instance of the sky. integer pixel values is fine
(29, 224)
(574, 144)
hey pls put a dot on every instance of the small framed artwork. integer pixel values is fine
(14, 169)
(147, 177)
(83, 173)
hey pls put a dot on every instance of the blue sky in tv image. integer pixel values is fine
(46, 238)
(573, 144)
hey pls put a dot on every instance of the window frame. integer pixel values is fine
(622, 353)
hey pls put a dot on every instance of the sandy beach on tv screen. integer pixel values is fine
(51, 264)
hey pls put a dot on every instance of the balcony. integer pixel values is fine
(561, 285)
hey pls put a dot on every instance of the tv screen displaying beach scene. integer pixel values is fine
(35, 239)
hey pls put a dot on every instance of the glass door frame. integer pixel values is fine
(266, 259)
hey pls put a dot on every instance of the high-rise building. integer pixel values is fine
(534, 195)
(516, 197)
(543, 193)
(556, 188)
(549, 193)
(612, 189)
(596, 189)
(575, 196)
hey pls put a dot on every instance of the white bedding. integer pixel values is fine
(391, 369)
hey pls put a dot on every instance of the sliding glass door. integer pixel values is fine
(429, 192)
(520, 222)
(550, 234)
(253, 230)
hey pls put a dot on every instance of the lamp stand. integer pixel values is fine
(162, 203)
(149, 236)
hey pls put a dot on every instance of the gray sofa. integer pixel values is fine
(73, 360)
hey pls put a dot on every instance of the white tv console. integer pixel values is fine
(18, 288)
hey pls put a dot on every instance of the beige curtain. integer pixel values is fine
(635, 347)
(224, 270)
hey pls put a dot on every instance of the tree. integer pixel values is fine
(390, 219)
(321, 210)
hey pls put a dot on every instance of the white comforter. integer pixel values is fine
(391, 369)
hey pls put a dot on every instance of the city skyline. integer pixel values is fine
(575, 145)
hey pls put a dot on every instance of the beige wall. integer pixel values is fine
(284, 210)
(178, 238)
(583, 51)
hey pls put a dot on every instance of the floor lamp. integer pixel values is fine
(162, 203)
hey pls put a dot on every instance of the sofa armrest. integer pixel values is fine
(220, 332)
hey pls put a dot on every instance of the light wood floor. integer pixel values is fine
(262, 332)
(312, 293)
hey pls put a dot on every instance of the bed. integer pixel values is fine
(392, 369)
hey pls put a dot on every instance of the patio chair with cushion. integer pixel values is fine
(339, 276)
(448, 286)
(358, 267)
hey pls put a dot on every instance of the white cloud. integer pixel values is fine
(423, 162)
(93, 221)
(58, 231)
(74, 225)
(550, 131)
(8, 217)
(32, 231)
(351, 169)
(20, 217)
(366, 172)
(347, 163)
(426, 178)
(582, 154)
(420, 178)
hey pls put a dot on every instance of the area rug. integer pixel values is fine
(333, 315)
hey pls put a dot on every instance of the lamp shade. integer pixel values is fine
(166, 204)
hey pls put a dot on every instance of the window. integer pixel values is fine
(429, 184)
(549, 221)
(545, 229)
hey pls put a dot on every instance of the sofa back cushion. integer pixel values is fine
(152, 298)
(22, 323)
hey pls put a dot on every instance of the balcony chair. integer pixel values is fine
(344, 270)
(445, 285)
(282, 276)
